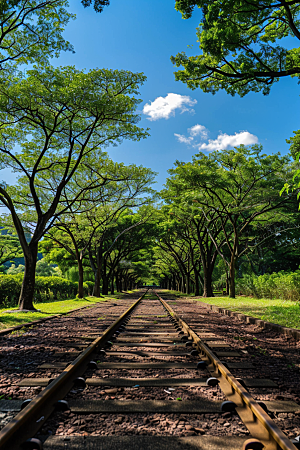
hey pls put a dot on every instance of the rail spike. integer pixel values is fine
(32, 444)
(253, 444)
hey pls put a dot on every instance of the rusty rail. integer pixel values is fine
(28, 421)
(255, 418)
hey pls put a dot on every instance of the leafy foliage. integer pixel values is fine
(46, 289)
(284, 285)
(9, 246)
(31, 31)
(239, 43)
(98, 4)
(59, 119)
(230, 201)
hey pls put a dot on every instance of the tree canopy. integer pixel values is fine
(243, 45)
(97, 4)
(51, 122)
(234, 190)
(31, 31)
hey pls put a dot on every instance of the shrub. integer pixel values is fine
(10, 288)
(284, 285)
(54, 288)
(72, 274)
(89, 287)
(44, 269)
(13, 270)
(46, 289)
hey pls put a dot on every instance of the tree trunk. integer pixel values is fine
(112, 288)
(104, 284)
(80, 280)
(96, 290)
(227, 284)
(197, 284)
(118, 282)
(232, 278)
(173, 283)
(207, 285)
(27, 290)
(233, 260)
(187, 284)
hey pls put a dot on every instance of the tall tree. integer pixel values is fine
(239, 43)
(107, 239)
(240, 186)
(126, 259)
(50, 122)
(116, 187)
(31, 31)
(194, 230)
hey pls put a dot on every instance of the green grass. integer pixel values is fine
(176, 293)
(150, 297)
(46, 309)
(282, 312)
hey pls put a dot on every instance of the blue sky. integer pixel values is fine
(140, 36)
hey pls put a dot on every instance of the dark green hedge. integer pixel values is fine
(46, 289)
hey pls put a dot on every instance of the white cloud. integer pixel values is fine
(224, 141)
(194, 131)
(183, 139)
(164, 107)
(198, 130)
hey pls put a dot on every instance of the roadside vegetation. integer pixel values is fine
(50, 308)
(282, 312)
(285, 313)
(44, 310)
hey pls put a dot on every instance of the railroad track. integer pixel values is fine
(172, 372)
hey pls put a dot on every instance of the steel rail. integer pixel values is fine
(30, 419)
(254, 417)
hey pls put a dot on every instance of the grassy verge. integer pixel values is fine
(282, 312)
(8, 320)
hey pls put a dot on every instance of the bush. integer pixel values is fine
(89, 285)
(13, 270)
(46, 289)
(54, 288)
(72, 274)
(10, 288)
(284, 285)
(44, 269)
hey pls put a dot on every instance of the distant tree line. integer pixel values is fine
(223, 216)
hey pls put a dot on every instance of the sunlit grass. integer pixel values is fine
(46, 309)
(176, 293)
(282, 312)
